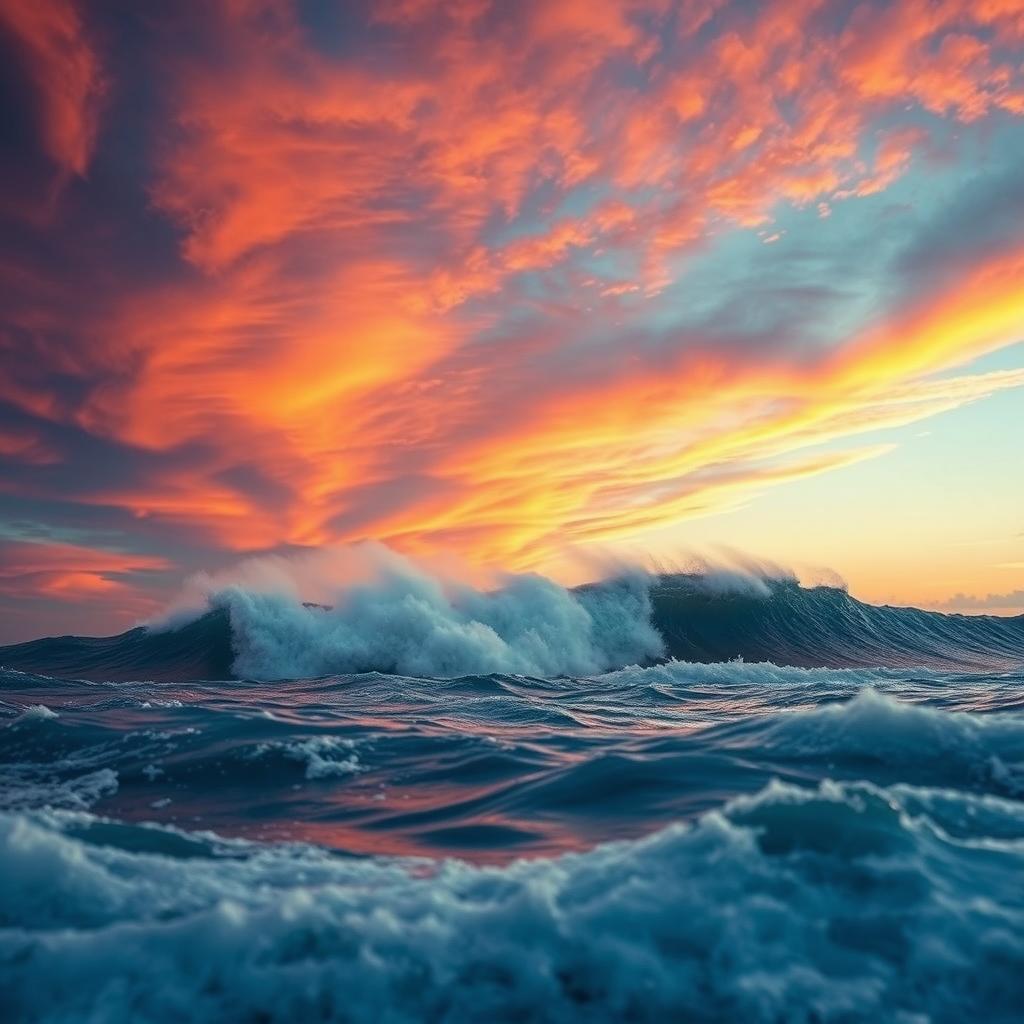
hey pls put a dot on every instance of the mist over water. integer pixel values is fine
(423, 799)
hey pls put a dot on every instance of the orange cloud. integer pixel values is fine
(67, 572)
(637, 451)
(927, 52)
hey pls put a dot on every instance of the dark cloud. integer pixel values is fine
(985, 214)
(1011, 601)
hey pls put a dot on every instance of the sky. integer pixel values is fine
(510, 283)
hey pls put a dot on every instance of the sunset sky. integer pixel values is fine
(511, 282)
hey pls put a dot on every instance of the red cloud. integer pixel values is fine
(66, 571)
(66, 72)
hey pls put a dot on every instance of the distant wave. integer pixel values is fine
(200, 649)
(820, 627)
(532, 626)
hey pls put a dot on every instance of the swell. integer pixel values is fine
(790, 845)
(824, 627)
(536, 629)
(197, 650)
(488, 768)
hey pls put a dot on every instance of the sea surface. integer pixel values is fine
(654, 800)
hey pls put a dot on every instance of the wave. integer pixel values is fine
(873, 735)
(411, 624)
(201, 649)
(538, 812)
(843, 902)
(491, 767)
(682, 841)
(824, 626)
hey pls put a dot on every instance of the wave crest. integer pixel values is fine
(412, 624)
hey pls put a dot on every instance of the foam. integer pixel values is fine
(38, 712)
(760, 673)
(27, 786)
(325, 757)
(835, 904)
(410, 623)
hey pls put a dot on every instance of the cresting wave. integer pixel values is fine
(410, 623)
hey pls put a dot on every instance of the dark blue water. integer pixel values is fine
(678, 840)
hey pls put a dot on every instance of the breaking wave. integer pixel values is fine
(405, 621)
(412, 625)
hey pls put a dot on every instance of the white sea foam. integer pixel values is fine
(38, 712)
(25, 786)
(757, 673)
(413, 624)
(324, 756)
(832, 905)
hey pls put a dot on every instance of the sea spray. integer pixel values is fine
(410, 623)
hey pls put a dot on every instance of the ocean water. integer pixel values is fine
(538, 805)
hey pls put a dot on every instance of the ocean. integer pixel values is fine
(655, 799)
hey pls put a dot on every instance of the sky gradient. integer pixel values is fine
(509, 282)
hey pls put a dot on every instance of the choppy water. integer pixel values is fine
(683, 841)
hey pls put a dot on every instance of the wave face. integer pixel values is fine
(201, 649)
(786, 624)
(411, 625)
